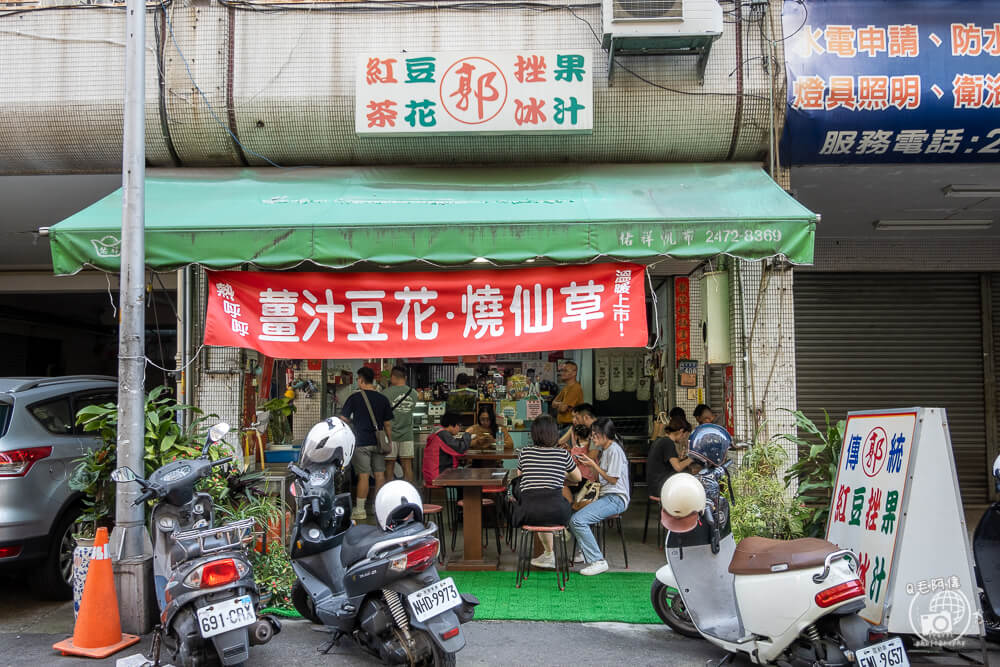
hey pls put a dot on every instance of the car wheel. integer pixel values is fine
(54, 580)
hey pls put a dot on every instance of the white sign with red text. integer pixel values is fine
(896, 505)
(486, 92)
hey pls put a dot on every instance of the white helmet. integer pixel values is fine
(683, 500)
(329, 440)
(397, 502)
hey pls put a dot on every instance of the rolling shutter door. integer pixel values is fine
(889, 340)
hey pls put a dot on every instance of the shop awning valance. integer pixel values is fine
(396, 216)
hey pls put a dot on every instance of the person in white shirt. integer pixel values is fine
(612, 470)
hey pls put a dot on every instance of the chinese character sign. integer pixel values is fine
(868, 497)
(371, 315)
(483, 92)
(906, 81)
(682, 318)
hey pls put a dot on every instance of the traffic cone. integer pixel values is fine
(98, 629)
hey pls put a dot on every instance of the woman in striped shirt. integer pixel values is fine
(543, 470)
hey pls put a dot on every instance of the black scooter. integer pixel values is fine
(379, 588)
(986, 549)
(205, 590)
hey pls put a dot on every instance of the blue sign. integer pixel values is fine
(892, 81)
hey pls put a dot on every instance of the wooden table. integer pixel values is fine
(473, 481)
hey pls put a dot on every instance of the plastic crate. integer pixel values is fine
(281, 455)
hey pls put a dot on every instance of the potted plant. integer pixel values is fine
(279, 410)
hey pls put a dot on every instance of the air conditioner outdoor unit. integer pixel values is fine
(661, 27)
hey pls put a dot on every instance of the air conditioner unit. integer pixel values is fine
(661, 27)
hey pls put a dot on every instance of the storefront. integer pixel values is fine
(376, 227)
(888, 138)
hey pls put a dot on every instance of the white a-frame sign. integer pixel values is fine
(896, 505)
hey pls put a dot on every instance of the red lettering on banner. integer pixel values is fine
(371, 315)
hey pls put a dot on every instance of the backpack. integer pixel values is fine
(432, 457)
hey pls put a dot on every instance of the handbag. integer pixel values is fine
(588, 493)
(384, 446)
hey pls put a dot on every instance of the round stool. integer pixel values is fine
(431, 510)
(526, 538)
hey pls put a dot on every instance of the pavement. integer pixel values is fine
(29, 627)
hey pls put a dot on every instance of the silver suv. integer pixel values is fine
(39, 440)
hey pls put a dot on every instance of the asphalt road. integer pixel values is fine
(29, 627)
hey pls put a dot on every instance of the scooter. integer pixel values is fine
(379, 588)
(204, 582)
(792, 603)
(986, 551)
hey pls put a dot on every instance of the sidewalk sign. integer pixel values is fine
(896, 505)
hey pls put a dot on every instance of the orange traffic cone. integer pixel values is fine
(98, 630)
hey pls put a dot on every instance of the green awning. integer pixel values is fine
(339, 217)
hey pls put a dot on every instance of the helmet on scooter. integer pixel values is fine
(709, 444)
(683, 499)
(996, 472)
(396, 503)
(331, 440)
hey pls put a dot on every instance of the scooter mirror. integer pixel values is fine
(218, 432)
(123, 474)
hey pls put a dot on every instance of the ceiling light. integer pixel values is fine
(480, 260)
(978, 191)
(930, 225)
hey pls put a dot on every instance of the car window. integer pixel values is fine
(54, 415)
(102, 397)
(5, 410)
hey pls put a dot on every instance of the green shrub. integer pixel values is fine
(816, 468)
(762, 507)
(164, 441)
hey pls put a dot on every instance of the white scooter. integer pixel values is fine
(792, 603)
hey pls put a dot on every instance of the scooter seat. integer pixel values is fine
(760, 555)
(359, 539)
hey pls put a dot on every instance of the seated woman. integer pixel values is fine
(542, 470)
(612, 470)
(664, 457)
(484, 431)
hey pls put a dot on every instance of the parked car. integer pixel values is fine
(39, 441)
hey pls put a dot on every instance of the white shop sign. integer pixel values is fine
(896, 505)
(483, 92)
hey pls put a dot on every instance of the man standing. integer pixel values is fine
(570, 396)
(402, 402)
(703, 414)
(367, 460)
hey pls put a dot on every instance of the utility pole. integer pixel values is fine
(132, 552)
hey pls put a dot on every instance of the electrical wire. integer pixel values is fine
(187, 67)
(30, 10)
(678, 91)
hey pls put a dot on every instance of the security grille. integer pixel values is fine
(893, 340)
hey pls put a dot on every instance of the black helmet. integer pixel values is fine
(709, 444)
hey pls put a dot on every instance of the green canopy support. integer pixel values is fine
(393, 216)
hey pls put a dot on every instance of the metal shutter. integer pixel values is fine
(868, 341)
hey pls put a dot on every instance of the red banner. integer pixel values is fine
(682, 318)
(428, 314)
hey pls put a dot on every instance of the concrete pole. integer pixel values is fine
(131, 549)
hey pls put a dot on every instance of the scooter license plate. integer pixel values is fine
(435, 599)
(884, 654)
(225, 616)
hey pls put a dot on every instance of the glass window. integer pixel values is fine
(5, 410)
(54, 415)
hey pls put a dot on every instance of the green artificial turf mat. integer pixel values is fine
(612, 596)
